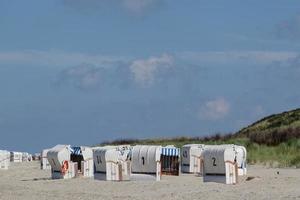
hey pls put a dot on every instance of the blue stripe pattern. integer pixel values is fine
(76, 151)
(170, 151)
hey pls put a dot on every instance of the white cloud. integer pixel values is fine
(57, 58)
(214, 110)
(144, 71)
(63, 58)
(223, 57)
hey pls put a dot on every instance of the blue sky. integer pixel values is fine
(85, 71)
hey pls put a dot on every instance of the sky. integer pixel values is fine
(82, 72)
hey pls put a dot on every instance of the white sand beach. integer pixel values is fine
(25, 181)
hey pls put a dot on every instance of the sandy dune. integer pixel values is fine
(27, 182)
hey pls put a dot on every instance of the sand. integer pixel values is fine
(27, 182)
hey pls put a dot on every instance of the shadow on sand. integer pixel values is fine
(38, 179)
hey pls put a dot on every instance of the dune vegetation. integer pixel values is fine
(273, 141)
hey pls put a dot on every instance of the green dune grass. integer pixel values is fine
(272, 141)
